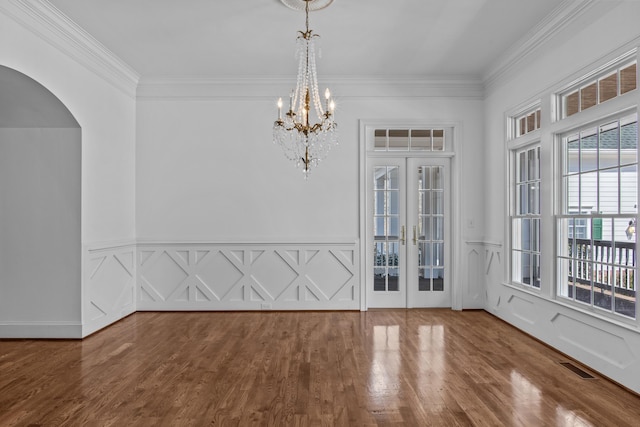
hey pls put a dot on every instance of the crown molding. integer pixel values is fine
(46, 21)
(374, 87)
(566, 13)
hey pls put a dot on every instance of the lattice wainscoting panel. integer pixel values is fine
(109, 290)
(248, 276)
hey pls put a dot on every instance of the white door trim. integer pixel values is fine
(366, 128)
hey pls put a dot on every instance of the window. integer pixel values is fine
(597, 245)
(409, 140)
(525, 223)
(605, 85)
(527, 122)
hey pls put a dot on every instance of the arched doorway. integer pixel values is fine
(40, 210)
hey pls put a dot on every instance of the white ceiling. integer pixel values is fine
(256, 38)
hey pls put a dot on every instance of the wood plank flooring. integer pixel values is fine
(379, 368)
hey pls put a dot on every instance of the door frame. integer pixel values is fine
(366, 130)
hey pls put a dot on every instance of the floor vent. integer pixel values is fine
(573, 368)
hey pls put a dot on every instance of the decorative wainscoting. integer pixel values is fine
(606, 346)
(248, 276)
(482, 260)
(109, 285)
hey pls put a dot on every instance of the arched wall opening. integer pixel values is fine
(40, 211)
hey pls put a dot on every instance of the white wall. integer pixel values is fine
(40, 227)
(207, 170)
(609, 347)
(100, 93)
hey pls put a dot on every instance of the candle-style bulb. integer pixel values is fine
(327, 96)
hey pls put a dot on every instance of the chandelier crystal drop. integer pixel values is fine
(304, 143)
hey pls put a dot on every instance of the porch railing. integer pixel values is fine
(608, 264)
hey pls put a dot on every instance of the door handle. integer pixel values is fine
(402, 237)
(415, 236)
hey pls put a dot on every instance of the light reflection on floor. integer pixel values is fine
(384, 381)
(384, 374)
(525, 398)
(566, 417)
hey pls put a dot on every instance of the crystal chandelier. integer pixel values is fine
(302, 142)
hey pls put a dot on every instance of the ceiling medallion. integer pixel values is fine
(302, 4)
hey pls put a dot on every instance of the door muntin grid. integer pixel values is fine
(386, 229)
(429, 233)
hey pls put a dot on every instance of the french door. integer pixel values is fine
(408, 230)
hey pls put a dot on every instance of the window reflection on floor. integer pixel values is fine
(566, 417)
(384, 381)
(431, 363)
(525, 397)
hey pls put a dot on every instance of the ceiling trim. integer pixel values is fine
(567, 12)
(342, 87)
(47, 22)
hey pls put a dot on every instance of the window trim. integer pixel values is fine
(594, 76)
(551, 170)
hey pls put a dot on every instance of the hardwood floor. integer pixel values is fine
(379, 368)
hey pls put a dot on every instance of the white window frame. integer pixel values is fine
(560, 126)
(552, 126)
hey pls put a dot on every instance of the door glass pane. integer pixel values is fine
(424, 279)
(378, 202)
(424, 254)
(438, 202)
(425, 202)
(438, 254)
(378, 227)
(379, 178)
(424, 177)
(392, 183)
(380, 255)
(379, 279)
(392, 259)
(425, 230)
(438, 228)
(393, 230)
(438, 279)
(436, 175)
(386, 230)
(392, 284)
(392, 205)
